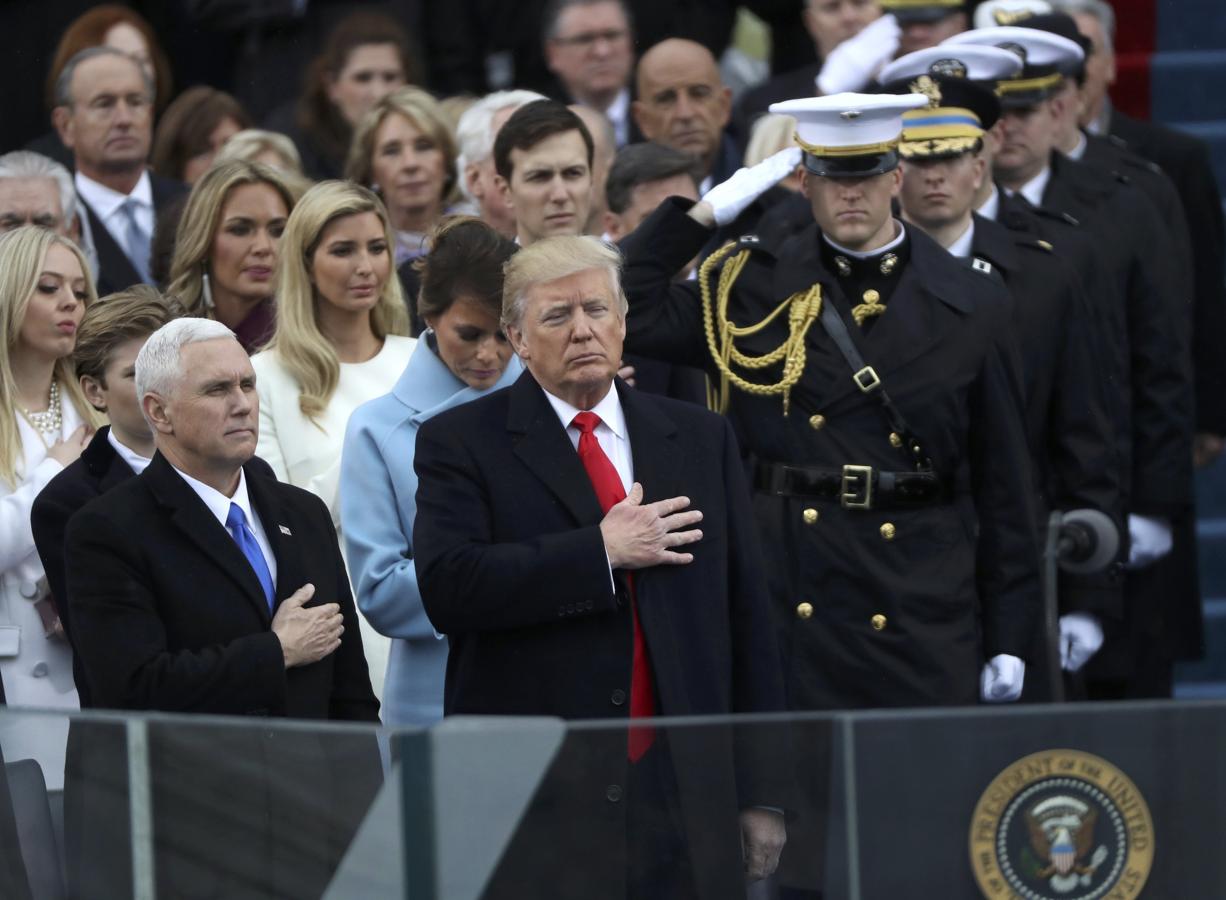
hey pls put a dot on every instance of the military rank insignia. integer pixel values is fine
(1062, 825)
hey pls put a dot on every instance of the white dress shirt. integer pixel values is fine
(610, 433)
(108, 205)
(1080, 150)
(618, 115)
(991, 207)
(1033, 189)
(219, 505)
(961, 247)
(135, 461)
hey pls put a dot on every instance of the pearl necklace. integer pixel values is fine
(48, 423)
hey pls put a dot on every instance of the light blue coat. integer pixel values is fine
(378, 490)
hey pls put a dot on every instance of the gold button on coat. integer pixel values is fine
(871, 296)
(888, 531)
(895, 439)
(804, 610)
(878, 622)
(817, 422)
(811, 515)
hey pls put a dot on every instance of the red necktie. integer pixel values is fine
(609, 490)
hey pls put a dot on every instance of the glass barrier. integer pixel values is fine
(1076, 802)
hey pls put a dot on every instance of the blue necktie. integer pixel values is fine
(136, 240)
(236, 524)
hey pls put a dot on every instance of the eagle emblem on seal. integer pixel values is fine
(1062, 836)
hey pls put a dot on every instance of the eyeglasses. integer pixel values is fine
(587, 39)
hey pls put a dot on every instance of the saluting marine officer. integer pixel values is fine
(1071, 431)
(875, 383)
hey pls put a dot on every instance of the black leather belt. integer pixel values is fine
(855, 487)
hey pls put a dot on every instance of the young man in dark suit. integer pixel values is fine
(558, 548)
(203, 586)
(104, 115)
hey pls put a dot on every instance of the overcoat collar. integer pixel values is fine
(428, 387)
(189, 514)
(542, 445)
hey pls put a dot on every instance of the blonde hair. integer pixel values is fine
(770, 134)
(23, 252)
(133, 313)
(425, 114)
(553, 258)
(250, 143)
(200, 220)
(298, 343)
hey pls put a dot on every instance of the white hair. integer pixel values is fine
(159, 364)
(26, 165)
(474, 134)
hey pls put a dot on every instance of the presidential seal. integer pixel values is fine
(1061, 825)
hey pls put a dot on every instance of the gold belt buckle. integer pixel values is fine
(857, 487)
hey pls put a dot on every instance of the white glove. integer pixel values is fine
(1081, 636)
(730, 198)
(1001, 681)
(1149, 540)
(853, 64)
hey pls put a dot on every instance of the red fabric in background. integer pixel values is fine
(1135, 38)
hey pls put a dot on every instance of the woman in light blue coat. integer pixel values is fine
(462, 355)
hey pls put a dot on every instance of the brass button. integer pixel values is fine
(804, 611)
(871, 296)
(817, 422)
(895, 439)
(878, 622)
(811, 515)
(888, 531)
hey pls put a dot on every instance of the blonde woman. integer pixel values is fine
(405, 150)
(341, 340)
(45, 423)
(225, 256)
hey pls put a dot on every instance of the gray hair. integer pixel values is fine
(553, 258)
(159, 364)
(63, 84)
(25, 165)
(474, 134)
(1100, 10)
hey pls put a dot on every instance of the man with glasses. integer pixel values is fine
(104, 115)
(588, 46)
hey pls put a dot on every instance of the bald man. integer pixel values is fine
(683, 103)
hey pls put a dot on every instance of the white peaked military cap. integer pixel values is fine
(849, 135)
(957, 61)
(1008, 12)
(1045, 57)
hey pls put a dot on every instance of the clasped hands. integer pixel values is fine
(638, 535)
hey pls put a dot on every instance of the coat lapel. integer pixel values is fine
(189, 514)
(657, 459)
(542, 446)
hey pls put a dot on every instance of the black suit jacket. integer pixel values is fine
(168, 615)
(1185, 160)
(115, 271)
(512, 567)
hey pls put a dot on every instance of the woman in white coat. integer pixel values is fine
(463, 355)
(45, 423)
(341, 340)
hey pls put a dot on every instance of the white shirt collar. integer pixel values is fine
(609, 410)
(961, 247)
(105, 201)
(868, 254)
(618, 115)
(217, 502)
(991, 206)
(135, 461)
(1033, 189)
(1080, 150)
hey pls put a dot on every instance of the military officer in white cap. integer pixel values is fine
(874, 381)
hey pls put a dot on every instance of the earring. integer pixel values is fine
(206, 291)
